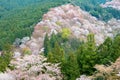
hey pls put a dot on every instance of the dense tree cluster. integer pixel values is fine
(82, 58)
(76, 57)
(17, 17)
(94, 8)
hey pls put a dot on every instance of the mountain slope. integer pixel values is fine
(75, 23)
(17, 17)
(79, 22)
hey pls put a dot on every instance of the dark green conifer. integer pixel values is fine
(46, 45)
(70, 68)
(86, 55)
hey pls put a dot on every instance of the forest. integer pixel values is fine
(76, 57)
(94, 8)
(18, 18)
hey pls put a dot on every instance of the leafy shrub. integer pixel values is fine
(4, 61)
(65, 33)
(26, 51)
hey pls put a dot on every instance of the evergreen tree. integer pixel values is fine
(58, 53)
(50, 57)
(70, 68)
(46, 45)
(105, 52)
(116, 48)
(52, 40)
(87, 56)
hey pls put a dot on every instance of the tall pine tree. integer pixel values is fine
(105, 52)
(57, 54)
(116, 48)
(46, 45)
(86, 55)
(70, 68)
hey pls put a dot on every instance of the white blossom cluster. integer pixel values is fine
(6, 76)
(34, 67)
(114, 4)
(83, 77)
(79, 22)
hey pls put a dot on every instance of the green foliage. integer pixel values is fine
(17, 17)
(50, 57)
(87, 56)
(65, 33)
(115, 52)
(56, 55)
(94, 13)
(27, 51)
(109, 51)
(46, 45)
(7, 47)
(5, 60)
(70, 68)
(100, 78)
(78, 57)
(68, 45)
(94, 8)
(104, 51)
(53, 40)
